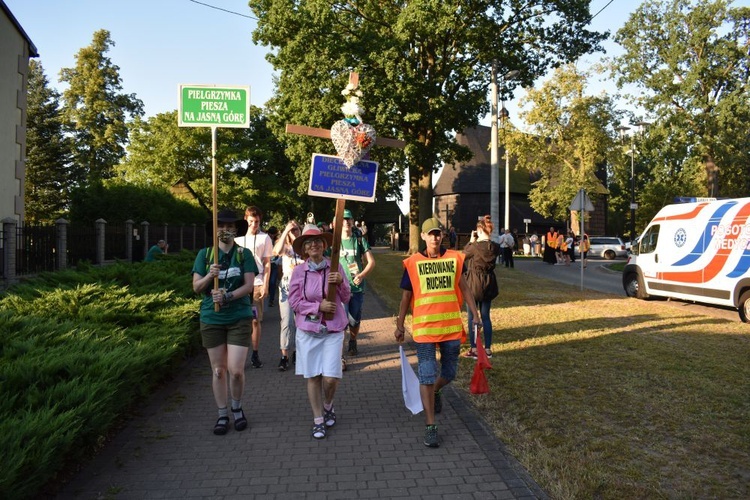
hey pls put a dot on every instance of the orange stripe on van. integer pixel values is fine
(716, 264)
(690, 215)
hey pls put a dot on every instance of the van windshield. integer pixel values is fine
(649, 240)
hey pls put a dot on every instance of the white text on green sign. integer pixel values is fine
(212, 106)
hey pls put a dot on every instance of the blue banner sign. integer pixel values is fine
(331, 178)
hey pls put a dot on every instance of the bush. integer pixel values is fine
(78, 349)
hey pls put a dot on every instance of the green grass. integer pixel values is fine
(602, 396)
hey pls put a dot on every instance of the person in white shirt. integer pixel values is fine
(507, 243)
(534, 241)
(260, 244)
(284, 249)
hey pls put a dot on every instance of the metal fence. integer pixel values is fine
(31, 249)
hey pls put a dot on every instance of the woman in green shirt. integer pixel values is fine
(226, 315)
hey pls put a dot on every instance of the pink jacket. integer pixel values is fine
(306, 290)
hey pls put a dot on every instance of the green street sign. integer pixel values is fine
(213, 106)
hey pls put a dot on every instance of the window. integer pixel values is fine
(649, 240)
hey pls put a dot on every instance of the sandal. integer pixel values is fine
(329, 418)
(471, 353)
(240, 424)
(222, 426)
(319, 431)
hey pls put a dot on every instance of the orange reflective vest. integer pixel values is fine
(552, 240)
(436, 297)
(585, 244)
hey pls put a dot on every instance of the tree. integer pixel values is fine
(47, 181)
(118, 202)
(571, 138)
(425, 68)
(97, 111)
(690, 59)
(252, 166)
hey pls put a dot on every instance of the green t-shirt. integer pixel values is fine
(351, 259)
(152, 253)
(231, 278)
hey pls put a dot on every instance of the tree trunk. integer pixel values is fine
(712, 178)
(420, 204)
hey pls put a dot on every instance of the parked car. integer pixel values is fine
(607, 247)
(630, 244)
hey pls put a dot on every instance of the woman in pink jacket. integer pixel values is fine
(318, 339)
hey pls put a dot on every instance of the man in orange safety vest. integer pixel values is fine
(434, 287)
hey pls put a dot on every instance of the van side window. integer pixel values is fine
(649, 240)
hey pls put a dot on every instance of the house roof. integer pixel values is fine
(32, 48)
(474, 175)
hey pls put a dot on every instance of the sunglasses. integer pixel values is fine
(316, 241)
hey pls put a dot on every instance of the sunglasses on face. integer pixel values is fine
(316, 241)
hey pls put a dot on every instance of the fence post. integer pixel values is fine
(129, 240)
(195, 237)
(144, 230)
(182, 236)
(166, 232)
(62, 243)
(101, 226)
(9, 238)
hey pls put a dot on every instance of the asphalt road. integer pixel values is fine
(598, 278)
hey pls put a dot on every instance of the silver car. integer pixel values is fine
(606, 247)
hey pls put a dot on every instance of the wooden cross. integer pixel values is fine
(340, 202)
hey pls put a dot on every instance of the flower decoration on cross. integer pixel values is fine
(351, 137)
(351, 108)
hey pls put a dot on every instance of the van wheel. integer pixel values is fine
(609, 255)
(744, 306)
(634, 286)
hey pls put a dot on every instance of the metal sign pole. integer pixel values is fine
(580, 216)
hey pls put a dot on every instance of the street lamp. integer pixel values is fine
(631, 152)
(494, 167)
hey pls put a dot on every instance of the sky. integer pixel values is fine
(160, 44)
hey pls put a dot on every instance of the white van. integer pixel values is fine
(697, 252)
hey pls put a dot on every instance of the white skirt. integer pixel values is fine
(319, 354)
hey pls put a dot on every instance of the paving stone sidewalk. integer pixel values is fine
(374, 451)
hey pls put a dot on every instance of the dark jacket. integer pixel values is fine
(480, 269)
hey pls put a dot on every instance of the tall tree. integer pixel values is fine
(97, 111)
(47, 181)
(691, 61)
(252, 166)
(425, 68)
(571, 138)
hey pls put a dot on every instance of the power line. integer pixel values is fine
(600, 10)
(224, 10)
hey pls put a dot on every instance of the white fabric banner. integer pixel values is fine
(410, 385)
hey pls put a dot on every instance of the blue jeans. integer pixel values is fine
(272, 282)
(427, 367)
(354, 308)
(484, 310)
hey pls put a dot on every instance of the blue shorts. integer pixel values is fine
(354, 308)
(428, 367)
